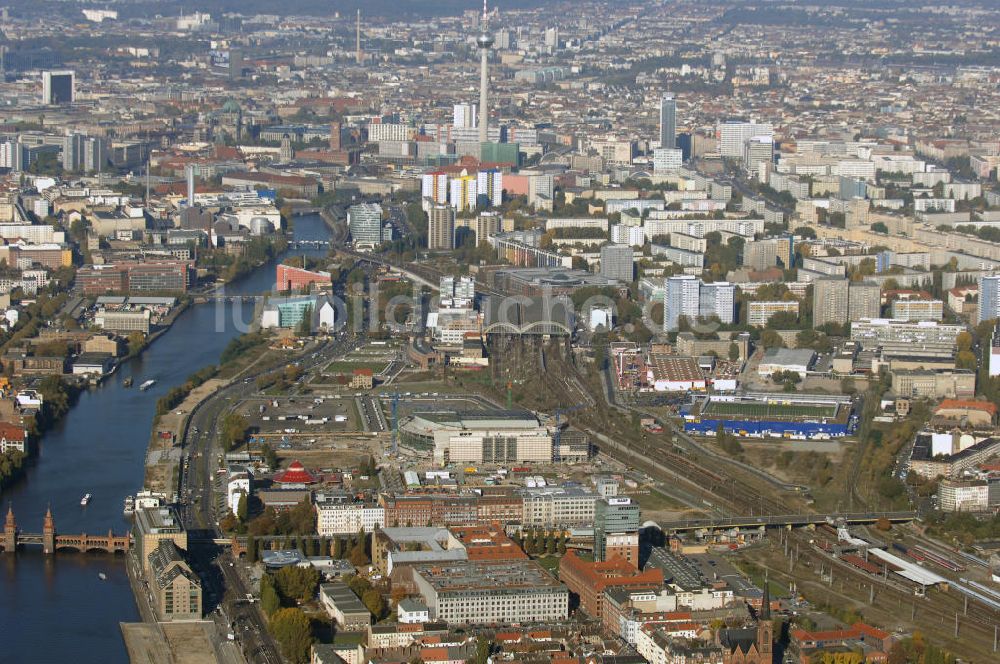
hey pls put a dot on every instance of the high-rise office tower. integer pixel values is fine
(616, 529)
(668, 121)
(864, 300)
(758, 151)
(484, 42)
(831, 301)
(58, 87)
(617, 262)
(989, 298)
(189, 173)
(365, 222)
(441, 228)
(464, 115)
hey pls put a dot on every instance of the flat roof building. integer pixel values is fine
(489, 593)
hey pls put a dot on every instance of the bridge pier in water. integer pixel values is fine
(50, 541)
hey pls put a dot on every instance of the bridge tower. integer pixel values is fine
(49, 533)
(10, 531)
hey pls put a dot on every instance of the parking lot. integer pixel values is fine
(299, 415)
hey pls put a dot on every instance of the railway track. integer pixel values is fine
(975, 619)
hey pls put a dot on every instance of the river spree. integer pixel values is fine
(57, 608)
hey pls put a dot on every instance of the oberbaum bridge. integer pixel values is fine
(50, 541)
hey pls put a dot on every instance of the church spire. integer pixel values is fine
(765, 602)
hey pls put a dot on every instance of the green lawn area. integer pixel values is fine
(346, 366)
(551, 563)
(760, 410)
(349, 639)
(654, 501)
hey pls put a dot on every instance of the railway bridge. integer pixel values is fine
(786, 521)
(51, 541)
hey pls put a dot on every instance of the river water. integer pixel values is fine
(56, 609)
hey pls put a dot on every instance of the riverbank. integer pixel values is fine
(100, 447)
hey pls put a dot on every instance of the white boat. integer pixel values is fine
(102, 576)
(85, 499)
(148, 384)
(129, 505)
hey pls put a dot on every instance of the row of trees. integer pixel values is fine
(11, 467)
(541, 542)
(176, 395)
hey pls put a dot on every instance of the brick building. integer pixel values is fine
(589, 580)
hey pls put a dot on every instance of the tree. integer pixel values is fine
(358, 556)
(965, 359)
(297, 583)
(136, 342)
(251, 549)
(269, 600)
(375, 603)
(291, 629)
(304, 328)
(734, 352)
(234, 430)
(241, 509)
(771, 339)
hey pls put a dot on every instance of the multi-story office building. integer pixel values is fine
(457, 291)
(365, 223)
(879, 331)
(481, 593)
(666, 160)
(557, 507)
(58, 87)
(123, 321)
(830, 301)
(441, 228)
(618, 262)
(733, 137)
(616, 529)
(464, 115)
(481, 443)
(989, 297)
(384, 131)
(915, 310)
(689, 296)
(758, 153)
(864, 300)
(541, 189)
(668, 121)
(759, 313)
(339, 514)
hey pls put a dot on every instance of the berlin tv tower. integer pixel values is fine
(484, 42)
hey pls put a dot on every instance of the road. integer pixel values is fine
(201, 507)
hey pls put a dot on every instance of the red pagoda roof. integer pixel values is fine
(296, 474)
